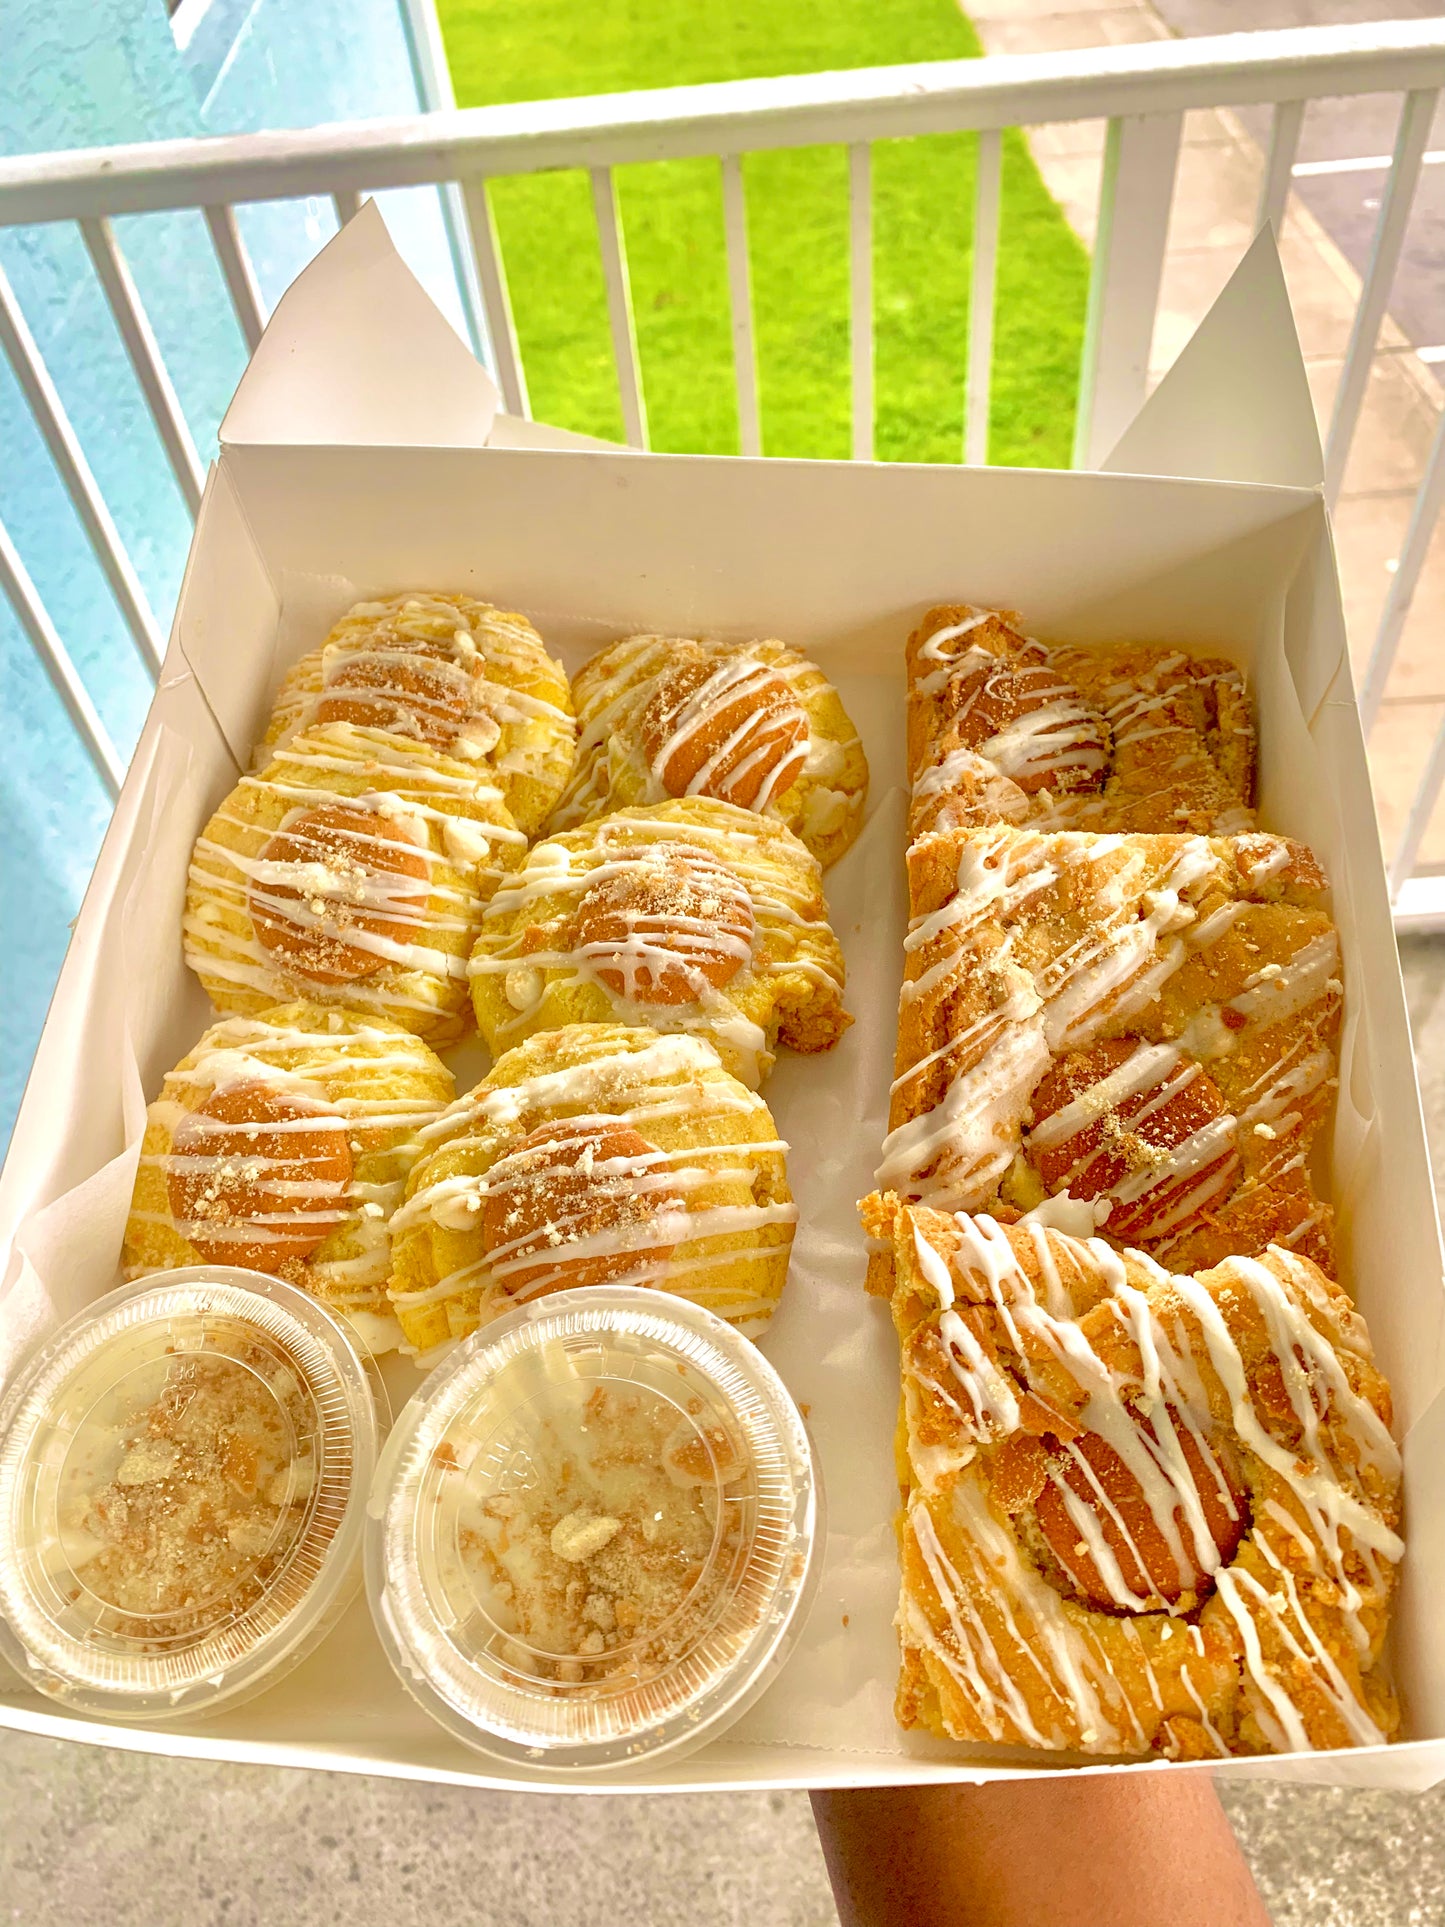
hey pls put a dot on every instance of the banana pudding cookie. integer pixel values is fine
(1130, 737)
(594, 1155)
(750, 723)
(685, 915)
(1143, 1513)
(473, 682)
(281, 1143)
(1139, 1026)
(351, 870)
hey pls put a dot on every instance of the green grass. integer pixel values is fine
(510, 50)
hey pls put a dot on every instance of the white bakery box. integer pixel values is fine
(363, 455)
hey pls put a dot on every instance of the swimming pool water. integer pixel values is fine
(78, 75)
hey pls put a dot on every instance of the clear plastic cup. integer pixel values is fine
(183, 1478)
(594, 1533)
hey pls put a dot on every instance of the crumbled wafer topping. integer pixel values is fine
(610, 1559)
(180, 1512)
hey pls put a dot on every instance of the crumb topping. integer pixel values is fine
(610, 1560)
(179, 1514)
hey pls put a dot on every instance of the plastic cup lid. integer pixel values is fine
(592, 1536)
(183, 1476)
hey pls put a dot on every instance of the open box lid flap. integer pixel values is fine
(1236, 405)
(358, 354)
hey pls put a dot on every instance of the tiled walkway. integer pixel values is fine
(1213, 221)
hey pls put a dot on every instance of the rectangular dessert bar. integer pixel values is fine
(1134, 737)
(1137, 1029)
(1142, 1513)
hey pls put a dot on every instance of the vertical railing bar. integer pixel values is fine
(1402, 864)
(496, 301)
(1098, 288)
(80, 484)
(136, 332)
(1429, 501)
(1284, 133)
(1395, 207)
(426, 49)
(55, 660)
(740, 301)
(464, 263)
(1141, 160)
(236, 267)
(619, 306)
(346, 202)
(860, 262)
(982, 295)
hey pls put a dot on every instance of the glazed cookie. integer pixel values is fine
(594, 1155)
(468, 680)
(1143, 1513)
(281, 1144)
(754, 724)
(351, 870)
(684, 915)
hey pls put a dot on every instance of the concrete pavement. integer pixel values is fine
(1337, 132)
(1213, 221)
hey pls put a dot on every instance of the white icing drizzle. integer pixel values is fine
(971, 1123)
(1130, 741)
(935, 647)
(372, 1084)
(1153, 707)
(613, 689)
(1137, 926)
(1058, 731)
(452, 671)
(994, 795)
(652, 1087)
(448, 819)
(732, 860)
(1038, 1636)
(1156, 1076)
(735, 681)
(1276, 991)
(1319, 1471)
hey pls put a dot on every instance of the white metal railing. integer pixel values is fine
(1142, 92)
